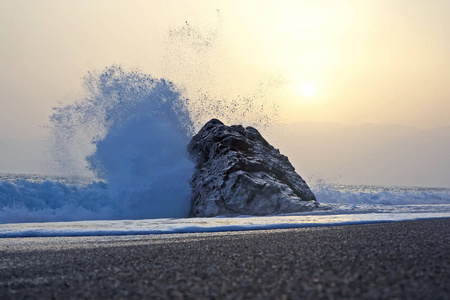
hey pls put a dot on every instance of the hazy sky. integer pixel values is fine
(335, 61)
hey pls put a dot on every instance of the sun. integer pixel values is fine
(307, 90)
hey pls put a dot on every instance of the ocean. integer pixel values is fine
(46, 206)
(121, 153)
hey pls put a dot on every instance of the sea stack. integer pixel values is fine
(239, 173)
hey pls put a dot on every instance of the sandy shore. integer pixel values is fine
(403, 260)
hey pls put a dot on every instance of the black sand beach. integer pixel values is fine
(402, 260)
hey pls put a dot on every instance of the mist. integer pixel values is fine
(372, 154)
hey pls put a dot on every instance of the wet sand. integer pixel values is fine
(401, 260)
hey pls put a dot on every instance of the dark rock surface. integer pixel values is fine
(239, 173)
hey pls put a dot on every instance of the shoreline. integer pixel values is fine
(405, 259)
(144, 227)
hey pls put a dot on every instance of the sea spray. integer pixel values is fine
(113, 99)
(126, 138)
(129, 133)
(145, 164)
(141, 127)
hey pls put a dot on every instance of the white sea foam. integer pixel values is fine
(167, 226)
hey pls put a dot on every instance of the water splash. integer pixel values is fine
(128, 134)
(130, 131)
(113, 98)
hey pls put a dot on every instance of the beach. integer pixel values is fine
(397, 260)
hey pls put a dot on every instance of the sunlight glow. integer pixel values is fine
(308, 90)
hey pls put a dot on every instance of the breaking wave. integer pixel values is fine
(126, 139)
(379, 195)
(121, 154)
(129, 134)
(45, 199)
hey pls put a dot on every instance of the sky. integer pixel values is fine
(342, 61)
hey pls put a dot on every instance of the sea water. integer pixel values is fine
(120, 152)
(45, 206)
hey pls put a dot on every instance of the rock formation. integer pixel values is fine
(239, 173)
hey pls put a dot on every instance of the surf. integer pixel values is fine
(120, 154)
(128, 133)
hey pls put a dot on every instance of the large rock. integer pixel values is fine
(238, 173)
